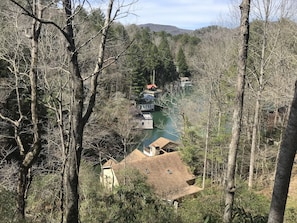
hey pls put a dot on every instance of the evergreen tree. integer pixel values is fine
(147, 53)
(96, 18)
(142, 60)
(167, 73)
(182, 65)
(153, 61)
(135, 66)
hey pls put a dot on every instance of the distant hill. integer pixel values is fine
(208, 29)
(173, 30)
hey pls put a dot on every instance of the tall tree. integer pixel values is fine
(81, 101)
(207, 137)
(216, 62)
(264, 43)
(181, 63)
(142, 60)
(28, 151)
(260, 86)
(238, 107)
(77, 118)
(284, 167)
(167, 72)
(135, 70)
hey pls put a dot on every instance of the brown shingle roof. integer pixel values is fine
(134, 155)
(110, 162)
(166, 173)
(162, 142)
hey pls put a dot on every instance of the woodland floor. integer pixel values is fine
(292, 195)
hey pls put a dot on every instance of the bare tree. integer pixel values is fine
(260, 80)
(238, 107)
(28, 156)
(262, 59)
(207, 137)
(78, 118)
(81, 101)
(216, 56)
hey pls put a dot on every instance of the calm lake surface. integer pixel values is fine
(164, 126)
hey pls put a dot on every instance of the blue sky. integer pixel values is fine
(186, 14)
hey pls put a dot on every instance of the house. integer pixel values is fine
(144, 120)
(274, 119)
(146, 107)
(153, 90)
(160, 146)
(107, 174)
(167, 174)
(146, 102)
(185, 82)
(151, 87)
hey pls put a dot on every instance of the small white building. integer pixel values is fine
(145, 121)
(185, 82)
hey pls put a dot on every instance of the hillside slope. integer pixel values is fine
(173, 30)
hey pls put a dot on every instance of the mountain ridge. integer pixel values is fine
(173, 30)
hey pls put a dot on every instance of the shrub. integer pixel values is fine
(132, 202)
(208, 206)
(43, 202)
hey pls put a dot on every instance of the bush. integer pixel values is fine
(253, 203)
(208, 206)
(132, 202)
(43, 202)
(240, 215)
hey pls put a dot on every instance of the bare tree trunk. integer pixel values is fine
(254, 140)
(73, 152)
(207, 138)
(237, 114)
(259, 96)
(21, 191)
(28, 158)
(284, 167)
(77, 119)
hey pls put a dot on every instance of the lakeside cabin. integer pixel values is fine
(146, 103)
(144, 121)
(153, 90)
(168, 175)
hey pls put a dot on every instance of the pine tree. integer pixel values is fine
(182, 65)
(168, 71)
(136, 69)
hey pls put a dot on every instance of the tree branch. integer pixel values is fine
(99, 64)
(12, 122)
(43, 21)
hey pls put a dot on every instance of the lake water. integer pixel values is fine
(164, 126)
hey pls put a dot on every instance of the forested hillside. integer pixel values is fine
(69, 78)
